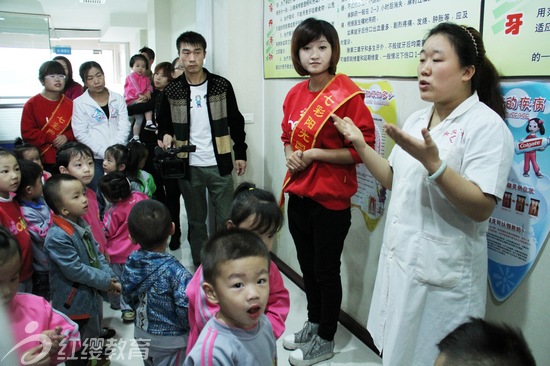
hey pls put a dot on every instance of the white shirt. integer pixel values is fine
(200, 133)
(432, 271)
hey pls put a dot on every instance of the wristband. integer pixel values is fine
(438, 172)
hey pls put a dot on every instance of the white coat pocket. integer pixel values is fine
(440, 260)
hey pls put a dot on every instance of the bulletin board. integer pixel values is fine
(382, 38)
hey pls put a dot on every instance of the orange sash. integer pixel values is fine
(337, 92)
(58, 122)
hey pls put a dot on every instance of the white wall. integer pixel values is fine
(236, 49)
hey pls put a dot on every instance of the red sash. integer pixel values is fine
(58, 122)
(337, 92)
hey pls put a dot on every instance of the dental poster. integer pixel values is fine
(370, 197)
(520, 223)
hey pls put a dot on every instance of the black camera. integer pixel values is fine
(167, 162)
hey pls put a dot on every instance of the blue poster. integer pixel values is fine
(520, 223)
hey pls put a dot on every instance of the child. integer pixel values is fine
(11, 217)
(481, 343)
(116, 190)
(236, 277)
(255, 210)
(154, 285)
(25, 151)
(116, 159)
(37, 216)
(78, 270)
(141, 180)
(32, 317)
(138, 89)
(77, 159)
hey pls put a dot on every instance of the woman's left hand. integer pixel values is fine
(425, 151)
(59, 141)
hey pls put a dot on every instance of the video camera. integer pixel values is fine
(167, 162)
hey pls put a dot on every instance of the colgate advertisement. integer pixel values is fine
(520, 223)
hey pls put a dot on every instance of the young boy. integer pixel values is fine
(38, 218)
(77, 159)
(78, 270)
(154, 284)
(236, 277)
(481, 343)
(11, 218)
(42, 334)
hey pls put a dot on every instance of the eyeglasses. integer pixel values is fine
(56, 76)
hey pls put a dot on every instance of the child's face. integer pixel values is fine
(241, 290)
(80, 166)
(33, 155)
(248, 224)
(109, 164)
(139, 67)
(9, 279)
(74, 203)
(10, 176)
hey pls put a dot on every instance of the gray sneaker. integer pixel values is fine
(296, 340)
(315, 351)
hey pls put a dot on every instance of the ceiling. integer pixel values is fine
(75, 19)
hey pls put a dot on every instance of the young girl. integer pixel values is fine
(320, 181)
(138, 89)
(534, 125)
(38, 219)
(117, 158)
(11, 217)
(116, 190)
(34, 324)
(141, 180)
(256, 210)
(26, 151)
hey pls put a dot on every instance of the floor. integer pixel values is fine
(348, 349)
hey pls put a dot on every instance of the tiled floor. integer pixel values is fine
(349, 350)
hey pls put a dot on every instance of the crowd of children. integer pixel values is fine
(66, 252)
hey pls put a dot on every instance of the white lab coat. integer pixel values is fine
(432, 270)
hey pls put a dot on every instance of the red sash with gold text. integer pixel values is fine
(58, 122)
(304, 136)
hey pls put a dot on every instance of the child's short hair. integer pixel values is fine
(115, 186)
(478, 342)
(120, 153)
(139, 56)
(9, 246)
(71, 150)
(52, 190)
(20, 147)
(30, 172)
(150, 224)
(227, 245)
(5, 153)
(249, 200)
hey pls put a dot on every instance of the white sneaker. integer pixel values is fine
(296, 340)
(317, 350)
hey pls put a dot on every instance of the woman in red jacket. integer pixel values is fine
(46, 118)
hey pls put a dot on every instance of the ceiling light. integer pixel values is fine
(94, 2)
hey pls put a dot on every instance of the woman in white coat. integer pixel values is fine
(448, 169)
(100, 117)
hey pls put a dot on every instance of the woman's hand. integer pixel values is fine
(425, 151)
(349, 130)
(295, 162)
(59, 141)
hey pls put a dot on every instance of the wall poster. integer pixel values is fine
(377, 37)
(520, 223)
